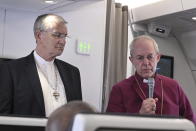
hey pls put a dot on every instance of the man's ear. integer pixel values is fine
(131, 59)
(158, 57)
(37, 35)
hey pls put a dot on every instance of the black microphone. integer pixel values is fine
(151, 83)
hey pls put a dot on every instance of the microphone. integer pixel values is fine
(151, 83)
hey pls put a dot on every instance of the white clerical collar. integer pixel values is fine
(145, 80)
(40, 61)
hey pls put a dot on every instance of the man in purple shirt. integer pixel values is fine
(131, 95)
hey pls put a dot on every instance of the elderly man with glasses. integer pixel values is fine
(132, 95)
(39, 83)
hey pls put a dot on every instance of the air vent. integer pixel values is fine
(159, 29)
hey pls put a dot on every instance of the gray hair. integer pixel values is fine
(47, 21)
(143, 37)
(61, 119)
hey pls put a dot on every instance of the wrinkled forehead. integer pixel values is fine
(143, 47)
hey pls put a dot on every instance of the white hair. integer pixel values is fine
(143, 37)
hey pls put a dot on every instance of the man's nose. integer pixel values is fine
(62, 40)
(145, 60)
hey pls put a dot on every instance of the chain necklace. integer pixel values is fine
(145, 95)
(140, 89)
(55, 93)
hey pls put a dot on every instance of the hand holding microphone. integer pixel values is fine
(149, 104)
(151, 84)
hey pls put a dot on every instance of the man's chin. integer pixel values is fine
(147, 75)
(59, 52)
(56, 54)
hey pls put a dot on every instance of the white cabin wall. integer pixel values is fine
(188, 40)
(182, 73)
(88, 24)
(1, 29)
(84, 23)
(19, 39)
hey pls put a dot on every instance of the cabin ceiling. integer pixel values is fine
(39, 5)
(179, 22)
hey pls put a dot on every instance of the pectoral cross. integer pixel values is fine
(56, 95)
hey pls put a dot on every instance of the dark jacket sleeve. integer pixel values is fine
(71, 79)
(115, 103)
(186, 110)
(79, 84)
(5, 89)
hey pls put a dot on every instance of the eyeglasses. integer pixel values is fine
(150, 57)
(58, 35)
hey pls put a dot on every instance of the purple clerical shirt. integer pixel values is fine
(128, 95)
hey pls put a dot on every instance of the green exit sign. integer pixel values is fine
(83, 48)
